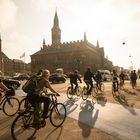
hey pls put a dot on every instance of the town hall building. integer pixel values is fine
(72, 55)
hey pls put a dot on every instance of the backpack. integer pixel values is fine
(30, 86)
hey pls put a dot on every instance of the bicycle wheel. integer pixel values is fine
(23, 126)
(69, 93)
(24, 104)
(84, 93)
(58, 114)
(115, 93)
(10, 106)
(94, 91)
(78, 91)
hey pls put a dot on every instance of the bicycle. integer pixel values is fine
(121, 84)
(115, 89)
(100, 86)
(10, 105)
(29, 121)
(85, 93)
(71, 92)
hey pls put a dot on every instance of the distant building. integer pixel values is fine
(8, 66)
(71, 55)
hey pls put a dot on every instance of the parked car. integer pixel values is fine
(11, 83)
(21, 77)
(127, 76)
(106, 75)
(57, 78)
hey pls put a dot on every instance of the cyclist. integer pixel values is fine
(115, 80)
(2, 88)
(88, 75)
(74, 77)
(122, 76)
(36, 97)
(98, 78)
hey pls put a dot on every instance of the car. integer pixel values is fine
(57, 78)
(106, 75)
(21, 77)
(126, 76)
(11, 83)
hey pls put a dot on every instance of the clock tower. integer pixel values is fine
(56, 32)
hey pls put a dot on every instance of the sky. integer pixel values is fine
(25, 23)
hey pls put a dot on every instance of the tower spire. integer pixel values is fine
(44, 42)
(85, 36)
(56, 21)
(56, 32)
(97, 45)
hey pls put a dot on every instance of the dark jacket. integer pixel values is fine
(74, 77)
(88, 76)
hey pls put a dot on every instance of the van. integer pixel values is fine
(106, 75)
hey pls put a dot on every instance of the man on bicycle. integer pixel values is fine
(88, 80)
(74, 77)
(36, 97)
(98, 78)
(115, 81)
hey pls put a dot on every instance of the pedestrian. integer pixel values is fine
(133, 77)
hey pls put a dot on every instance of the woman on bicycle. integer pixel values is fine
(36, 97)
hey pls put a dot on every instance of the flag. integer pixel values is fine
(23, 55)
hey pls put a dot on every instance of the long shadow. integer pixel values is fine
(102, 100)
(86, 119)
(70, 105)
(56, 136)
(122, 100)
(5, 124)
(129, 91)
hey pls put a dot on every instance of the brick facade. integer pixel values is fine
(72, 55)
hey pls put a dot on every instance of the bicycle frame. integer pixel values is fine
(114, 87)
